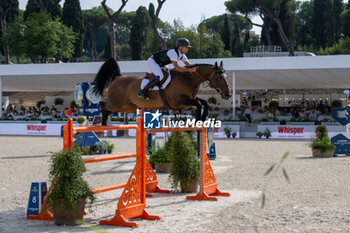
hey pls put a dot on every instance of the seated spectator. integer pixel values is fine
(312, 115)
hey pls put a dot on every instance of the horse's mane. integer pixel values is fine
(202, 64)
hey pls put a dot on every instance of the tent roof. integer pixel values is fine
(308, 72)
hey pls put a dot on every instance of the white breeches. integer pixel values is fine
(154, 68)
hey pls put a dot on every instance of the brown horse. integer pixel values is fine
(181, 92)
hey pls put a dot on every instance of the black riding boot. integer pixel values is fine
(152, 83)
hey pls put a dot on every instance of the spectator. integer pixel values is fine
(312, 115)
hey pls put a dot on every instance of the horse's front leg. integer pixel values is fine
(206, 107)
(105, 113)
(192, 102)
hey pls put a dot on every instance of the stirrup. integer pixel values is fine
(142, 95)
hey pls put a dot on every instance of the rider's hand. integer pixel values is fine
(194, 69)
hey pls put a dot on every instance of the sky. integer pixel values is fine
(189, 12)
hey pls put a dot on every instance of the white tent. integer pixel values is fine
(309, 72)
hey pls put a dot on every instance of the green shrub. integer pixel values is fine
(160, 154)
(66, 173)
(259, 134)
(336, 104)
(212, 100)
(321, 132)
(182, 151)
(227, 131)
(59, 101)
(81, 119)
(273, 105)
(267, 133)
(323, 145)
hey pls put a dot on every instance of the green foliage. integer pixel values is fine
(273, 105)
(237, 47)
(321, 132)
(343, 47)
(228, 131)
(94, 19)
(336, 104)
(102, 145)
(267, 133)
(66, 173)
(259, 134)
(212, 100)
(111, 146)
(160, 154)
(345, 16)
(138, 33)
(58, 101)
(323, 144)
(41, 38)
(185, 167)
(52, 7)
(81, 119)
(226, 34)
(72, 17)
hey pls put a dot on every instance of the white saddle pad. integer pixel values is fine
(165, 84)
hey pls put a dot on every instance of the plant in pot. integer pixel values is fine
(228, 131)
(81, 120)
(322, 145)
(185, 169)
(267, 133)
(259, 134)
(160, 157)
(110, 147)
(67, 197)
(102, 146)
(234, 134)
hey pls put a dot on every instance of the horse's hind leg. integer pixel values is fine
(205, 110)
(105, 112)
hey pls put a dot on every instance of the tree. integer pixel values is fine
(266, 9)
(51, 7)
(15, 30)
(44, 38)
(346, 19)
(319, 21)
(72, 17)
(237, 46)
(212, 43)
(154, 18)
(8, 11)
(111, 20)
(337, 20)
(94, 19)
(226, 34)
(139, 32)
(304, 24)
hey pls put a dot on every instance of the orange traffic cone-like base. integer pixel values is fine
(41, 216)
(219, 193)
(202, 196)
(120, 220)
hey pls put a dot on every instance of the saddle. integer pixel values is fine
(165, 71)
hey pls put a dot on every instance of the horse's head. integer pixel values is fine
(218, 81)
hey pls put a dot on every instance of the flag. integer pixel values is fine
(68, 112)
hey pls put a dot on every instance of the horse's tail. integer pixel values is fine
(107, 73)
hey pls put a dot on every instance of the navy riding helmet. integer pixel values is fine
(183, 42)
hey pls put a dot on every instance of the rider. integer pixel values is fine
(165, 57)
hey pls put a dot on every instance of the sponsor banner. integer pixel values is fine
(297, 131)
(30, 129)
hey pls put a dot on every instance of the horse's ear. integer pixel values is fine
(216, 65)
(221, 64)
